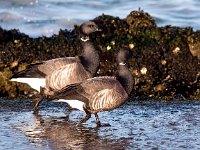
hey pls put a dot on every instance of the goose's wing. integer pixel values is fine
(69, 92)
(96, 84)
(40, 70)
(86, 87)
(93, 91)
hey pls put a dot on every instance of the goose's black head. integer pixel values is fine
(123, 56)
(89, 27)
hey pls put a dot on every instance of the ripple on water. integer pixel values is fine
(135, 125)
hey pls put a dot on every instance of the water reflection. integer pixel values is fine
(135, 125)
(59, 133)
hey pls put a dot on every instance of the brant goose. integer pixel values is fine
(99, 93)
(52, 75)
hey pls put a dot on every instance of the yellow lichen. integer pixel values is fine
(108, 47)
(131, 46)
(163, 62)
(143, 70)
(176, 50)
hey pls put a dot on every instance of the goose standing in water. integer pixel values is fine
(99, 93)
(52, 75)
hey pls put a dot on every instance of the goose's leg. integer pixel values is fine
(38, 99)
(85, 118)
(69, 109)
(36, 103)
(97, 120)
(99, 123)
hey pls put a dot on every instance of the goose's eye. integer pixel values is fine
(92, 26)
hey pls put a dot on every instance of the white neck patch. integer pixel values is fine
(122, 64)
(84, 39)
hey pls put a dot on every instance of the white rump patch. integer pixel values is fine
(35, 83)
(73, 103)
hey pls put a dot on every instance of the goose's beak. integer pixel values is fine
(99, 29)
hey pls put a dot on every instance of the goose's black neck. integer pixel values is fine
(125, 78)
(90, 56)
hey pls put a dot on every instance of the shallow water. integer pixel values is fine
(135, 125)
(46, 17)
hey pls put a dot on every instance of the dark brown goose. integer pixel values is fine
(52, 75)
(99, 93)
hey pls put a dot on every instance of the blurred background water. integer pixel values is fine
(47, 17)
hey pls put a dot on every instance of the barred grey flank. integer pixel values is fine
(106, 99)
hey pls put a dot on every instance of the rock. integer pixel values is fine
(165, 64)
(194, 44)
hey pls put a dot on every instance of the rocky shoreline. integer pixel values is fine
(165, 65)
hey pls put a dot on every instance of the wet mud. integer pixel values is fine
(135, 125)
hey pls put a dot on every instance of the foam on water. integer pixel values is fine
(46, 17)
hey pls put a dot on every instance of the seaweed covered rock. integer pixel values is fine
(139, 19)
(167, 67)
(165, 64)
